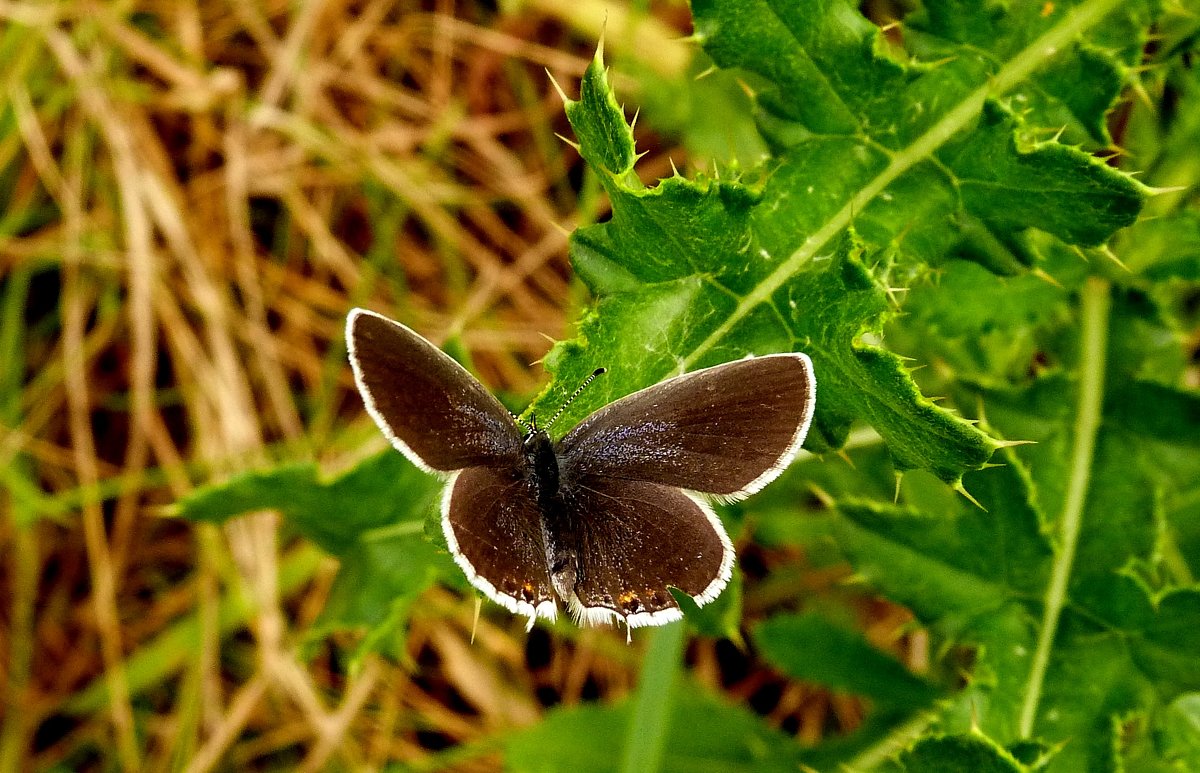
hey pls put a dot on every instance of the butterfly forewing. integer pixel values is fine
(726, 430)
(638, 539)
(427, 405)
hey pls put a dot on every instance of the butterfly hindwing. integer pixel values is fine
(494, 530)
(636, 540)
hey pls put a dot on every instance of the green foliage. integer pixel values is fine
(373, 518)
(702, 733)
(942, 172)
(958, 753)
(812, 648)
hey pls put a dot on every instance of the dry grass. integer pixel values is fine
(196, 195)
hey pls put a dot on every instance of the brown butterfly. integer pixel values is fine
(612, 515)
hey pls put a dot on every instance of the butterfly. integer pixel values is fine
(609, 517)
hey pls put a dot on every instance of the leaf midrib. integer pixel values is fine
(1093, 347)
(1019, 68)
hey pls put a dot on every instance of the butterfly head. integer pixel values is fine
(538, 448)
(534, 435)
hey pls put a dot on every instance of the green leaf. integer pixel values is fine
(381, 491)
(988, 329)
(684, 234)
(646, 737)
(1121, 648)
(721, 618)
(811, 648)
(1097, 669)
(702, 271)
(887, 163)
(380, 578)
(827, 73)
(1047, 186)
(966, 564)
(1165, 248)
(705, 733)
(373, 518)
(1114, 645)
(870, 383)
(956, 753)
(708, 109)
(1076, 88)
(1181, 731)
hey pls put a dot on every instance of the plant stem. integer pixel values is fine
(646, 739)
(888, 747)
(1093, 348)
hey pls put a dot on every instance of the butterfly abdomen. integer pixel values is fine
(559, 530)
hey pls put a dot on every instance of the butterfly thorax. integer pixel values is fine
(542, 465)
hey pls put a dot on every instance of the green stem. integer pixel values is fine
(646, 739)
(893, 743)
(1093, 349)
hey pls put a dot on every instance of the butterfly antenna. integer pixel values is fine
(575, 394)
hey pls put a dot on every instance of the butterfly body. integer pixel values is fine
(559, 533)
(607, 519)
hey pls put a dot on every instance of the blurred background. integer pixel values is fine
(195, 194)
